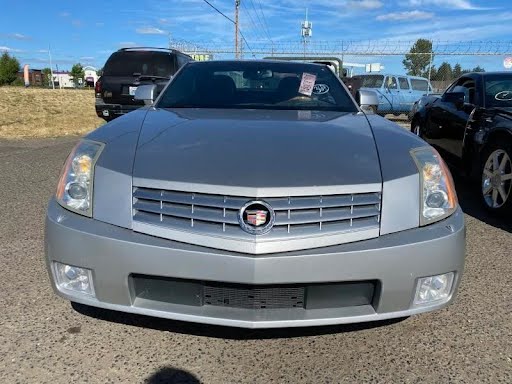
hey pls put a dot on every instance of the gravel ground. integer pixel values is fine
(43, 339)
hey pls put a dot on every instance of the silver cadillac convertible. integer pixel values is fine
(255, 194)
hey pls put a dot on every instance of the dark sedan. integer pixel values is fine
(471, 126)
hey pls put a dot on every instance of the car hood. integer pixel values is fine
(259, 152)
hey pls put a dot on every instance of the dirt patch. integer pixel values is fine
(37, 113)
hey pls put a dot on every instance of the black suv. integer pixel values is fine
(128, 68)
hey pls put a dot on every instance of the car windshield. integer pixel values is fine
(257, 85)
(372, 81)
(498, 91)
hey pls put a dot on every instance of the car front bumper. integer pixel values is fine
(117, 256)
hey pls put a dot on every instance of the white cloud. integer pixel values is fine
(455, 4)
(150, 31)
(3, 48)
(365, 4)
(405, 16)
(471, 27)
(18, 36)
(87, 58)
(64, 14)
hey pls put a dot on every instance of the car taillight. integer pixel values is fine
(97, 88)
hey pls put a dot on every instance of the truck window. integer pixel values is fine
(419, 85)
(404, 84)
(391, 82)
(182, 60)
(371, 81)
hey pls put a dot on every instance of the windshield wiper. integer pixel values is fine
(153, 77)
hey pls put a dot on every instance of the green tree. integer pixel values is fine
(9, 67)
(77, 73)
(478, 69)
(457, 71)
(46, 75)
(418, 59)
(433, 73)
(444, 72)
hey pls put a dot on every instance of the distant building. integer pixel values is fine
(35, 77)
(63, 79)
(91, 76)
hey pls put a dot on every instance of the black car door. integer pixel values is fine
(447, 122)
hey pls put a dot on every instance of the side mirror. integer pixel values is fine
(367, 99)
(456, 98)
(146, 93)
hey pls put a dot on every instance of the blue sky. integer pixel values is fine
(89, 31)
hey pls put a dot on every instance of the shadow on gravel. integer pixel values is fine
(169, 375)
(469, 200)
(220, 332)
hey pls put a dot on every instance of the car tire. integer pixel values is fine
(496, 178)
(373, 108)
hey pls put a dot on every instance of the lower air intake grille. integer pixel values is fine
(237, 296)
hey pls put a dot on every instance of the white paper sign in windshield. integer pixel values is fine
(307, 84)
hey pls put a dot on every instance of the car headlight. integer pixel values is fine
(438, 197)
(74, 191)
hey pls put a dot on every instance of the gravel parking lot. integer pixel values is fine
(43, 339)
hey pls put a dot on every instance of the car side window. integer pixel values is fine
(391, 82)
(182, 60)
(404, 83)
(468, 85)
(419, 85)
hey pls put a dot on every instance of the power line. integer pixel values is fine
(246, 43)
(254, 26)
(259, 19)
(264, 21)
(211, 5)
(233, 22)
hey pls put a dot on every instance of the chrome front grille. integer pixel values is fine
(217, 215)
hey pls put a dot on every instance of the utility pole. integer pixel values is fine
(51, 66)
(306, 31)
(430, 64)
(237, 43)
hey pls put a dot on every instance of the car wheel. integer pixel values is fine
(496, 185)
(372, 109)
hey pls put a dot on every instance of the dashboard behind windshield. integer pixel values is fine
(257, 85)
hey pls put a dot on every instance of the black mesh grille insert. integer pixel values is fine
(240, 296)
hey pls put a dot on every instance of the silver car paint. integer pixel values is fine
(368, 98)
(396, 260)
(113, 184)
(257, 149)
(112, 200)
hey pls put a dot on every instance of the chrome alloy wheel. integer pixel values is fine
(497, 179)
